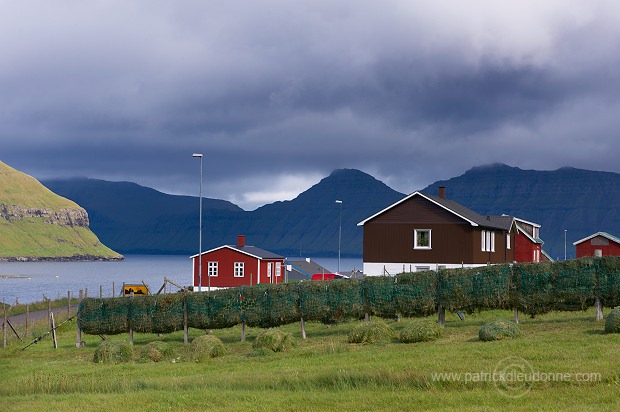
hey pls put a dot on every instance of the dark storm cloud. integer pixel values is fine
(277, 94)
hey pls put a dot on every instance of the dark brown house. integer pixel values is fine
(421, 232)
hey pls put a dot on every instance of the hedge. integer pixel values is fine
(532, 288)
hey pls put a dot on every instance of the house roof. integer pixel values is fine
(305, 268)
(532, 239)
(547, 255)
(248, 250)
(503, 222)
(604, 234)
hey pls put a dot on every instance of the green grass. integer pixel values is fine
(32, 237)
(324, 372)
(17, 188)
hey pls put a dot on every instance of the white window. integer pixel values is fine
(269, 269)
(239, 269)
(507, 240)
(421, 238)
(278, 269)
(212, 269)
(487, 241)
(536, 255)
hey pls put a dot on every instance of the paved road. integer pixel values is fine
(38, 315)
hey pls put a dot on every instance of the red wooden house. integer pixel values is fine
(528, 245)
(237, 265)
(422, 232)
(599, 244)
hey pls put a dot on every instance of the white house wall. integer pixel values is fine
(379, 269)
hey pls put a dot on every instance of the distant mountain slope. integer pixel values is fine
(311, 221)
(37, 224)
(136, 219)
(580, 201)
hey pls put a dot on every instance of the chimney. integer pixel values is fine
(240, 241)
(441, 192)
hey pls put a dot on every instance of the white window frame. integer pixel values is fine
(269, 269)
(278, 269)
(507, 240)
(212, 269)
(415, 239)
(239, 269)
(487, 241)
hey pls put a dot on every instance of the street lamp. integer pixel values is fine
(339, 233)
(199, 155)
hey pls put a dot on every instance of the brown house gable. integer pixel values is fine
(389, 237)
(454, 234)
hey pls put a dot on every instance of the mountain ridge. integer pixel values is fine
(578, 200)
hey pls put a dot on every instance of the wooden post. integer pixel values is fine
(49, 308)
(27, 317)
(441, 316)
(113, 290)
(243, 331)
(85, 292)
(130, 326)
(100, 291)
(4, 324)
(78, 339)
(366, 317)
(598, 308)
(303, 329)
(516, 313)
(185, 327)
(53, 326)
(68, 303)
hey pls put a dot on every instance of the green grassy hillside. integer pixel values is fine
(37, 223)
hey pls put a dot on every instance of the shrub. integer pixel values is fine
(498, 330)
(376, 331)
(154, 351)
(113, 352)
(420, 331)
(274, 340)
(207, 346)
(612, 321)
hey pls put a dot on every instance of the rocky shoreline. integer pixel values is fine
(77, 258)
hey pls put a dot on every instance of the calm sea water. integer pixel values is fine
(31, 281)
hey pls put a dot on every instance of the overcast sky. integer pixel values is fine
(277, 94)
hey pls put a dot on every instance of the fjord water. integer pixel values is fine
(28, 282)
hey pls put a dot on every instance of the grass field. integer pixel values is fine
(562, 361)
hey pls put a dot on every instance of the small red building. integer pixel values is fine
(599, 244)
(230, 266)
(528, 246)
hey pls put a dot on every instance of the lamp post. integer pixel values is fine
(199, 155)
(339, 233)
(564, 244)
